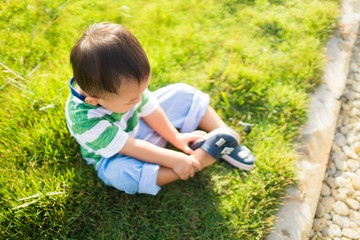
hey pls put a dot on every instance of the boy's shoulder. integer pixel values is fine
(81, 112)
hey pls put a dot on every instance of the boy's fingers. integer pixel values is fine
(181, 176)
(188, 150)
(200, 132)
(196, 164)
(198, 136)
(192, 173)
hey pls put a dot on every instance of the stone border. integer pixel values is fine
(296, 215)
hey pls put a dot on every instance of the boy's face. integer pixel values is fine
(126, 99)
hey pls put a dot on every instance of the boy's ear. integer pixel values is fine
(92, 100)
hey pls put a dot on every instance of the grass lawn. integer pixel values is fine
(258, 60)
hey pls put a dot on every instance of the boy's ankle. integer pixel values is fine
(204, 158)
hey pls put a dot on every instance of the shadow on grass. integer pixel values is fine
(91, 210)
(181, 210)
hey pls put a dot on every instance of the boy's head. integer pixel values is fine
(107, 59)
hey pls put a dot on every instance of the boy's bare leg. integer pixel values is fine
(167, 175)
(211, 120)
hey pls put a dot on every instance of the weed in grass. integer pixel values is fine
(257, 59)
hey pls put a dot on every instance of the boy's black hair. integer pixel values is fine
(106, 58)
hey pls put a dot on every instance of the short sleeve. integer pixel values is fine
(103, 138)
(148, 105)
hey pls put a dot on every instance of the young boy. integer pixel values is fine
(123, 128)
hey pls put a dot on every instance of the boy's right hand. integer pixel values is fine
(185, 166)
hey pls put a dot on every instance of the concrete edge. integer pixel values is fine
(295, 218)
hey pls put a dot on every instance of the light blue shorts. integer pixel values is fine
(185, 106)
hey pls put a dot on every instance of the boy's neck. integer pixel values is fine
(79, 90)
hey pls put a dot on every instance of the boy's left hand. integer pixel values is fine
(184, 139)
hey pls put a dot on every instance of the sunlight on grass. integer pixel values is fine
(258, 60)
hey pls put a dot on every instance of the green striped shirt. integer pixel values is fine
(100, 132)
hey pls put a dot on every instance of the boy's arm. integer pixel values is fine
(159, 122)
(180, 163)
